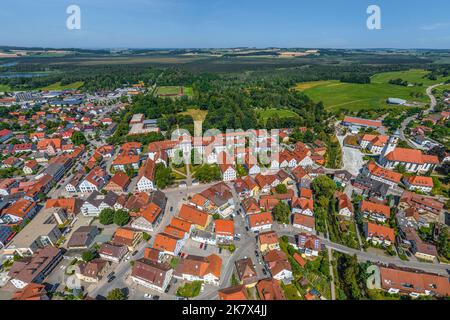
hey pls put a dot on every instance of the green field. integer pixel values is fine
(4, 88)
(412, 76)
(350, 96)
(282, 113)
(58, 86)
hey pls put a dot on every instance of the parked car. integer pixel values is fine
(134, 253)
(246, 228)
(167, 289)
(171, 209)
(111, 279)
(148, 296)
(220, 250)
(264, 272)
(155, 297)
(206, 246)
(256, 253)
(201, 245)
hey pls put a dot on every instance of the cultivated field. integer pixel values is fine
(58, 86)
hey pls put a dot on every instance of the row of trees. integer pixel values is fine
(109, 216)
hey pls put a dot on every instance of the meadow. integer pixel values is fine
(337, 95)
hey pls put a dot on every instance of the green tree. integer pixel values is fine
(88, 255)
(106, 216)
(78, 138)
(163, 176)
(281, 212)
(207, 173)
(281, 189)
(121, 217)
(116, 294)
(324, 186)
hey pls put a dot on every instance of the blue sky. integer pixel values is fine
(226, 23)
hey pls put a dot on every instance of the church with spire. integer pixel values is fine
(412, 159)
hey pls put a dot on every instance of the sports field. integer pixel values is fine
(337, 95)
(174, 91)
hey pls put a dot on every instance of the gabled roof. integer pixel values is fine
(411, 156)
(384, 173)
(270, 289)
(420, 181)
(193, 215)
(371, 207)
(200, 266)
(260, 219)
(376, 230)
(224, 227)
(238, 292)
(120, 179)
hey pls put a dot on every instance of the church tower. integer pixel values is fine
(390, 145)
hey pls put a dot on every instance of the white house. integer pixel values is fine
(146, 177)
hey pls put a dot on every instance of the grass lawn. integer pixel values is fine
(282, 113)
(58, 86)
(174, 90)
(190, 290)
(352, 96)
(291, 292)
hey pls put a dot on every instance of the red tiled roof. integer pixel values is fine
(375, 230)
(411, 156)
(384, 173)
(420, 181)
(364, 122)
(367, 206)
(193, 215)
(259, 219)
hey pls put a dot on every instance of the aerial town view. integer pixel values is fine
(139, 162)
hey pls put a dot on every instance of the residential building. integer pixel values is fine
(419, 183)
(260, 221)
(128, 237)
(379, 234)
(152, 275)
(206, 269)
(34, 269)
(83, 237)
(268, 241)
(270, 289)
(146, 176)
(246, 272)
(112, 252)
(375, 211)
